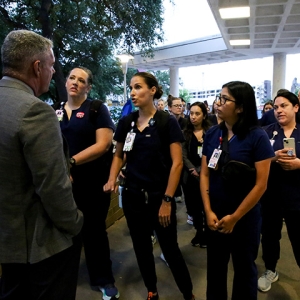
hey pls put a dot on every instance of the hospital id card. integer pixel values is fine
(214, 158)
(129, 141)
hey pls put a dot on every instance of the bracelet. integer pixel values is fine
(167, 198)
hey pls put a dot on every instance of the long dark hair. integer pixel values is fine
(293, 99)
(188, 132)
(270, 102)
(244, 96)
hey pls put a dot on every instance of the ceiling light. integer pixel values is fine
(239, 42)
(235, 12)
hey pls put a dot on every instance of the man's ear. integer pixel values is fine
(37, 68)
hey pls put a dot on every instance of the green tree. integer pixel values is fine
(163, 77)
(88, 33)
(185, 94)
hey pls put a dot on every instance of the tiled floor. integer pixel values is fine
(131, 286)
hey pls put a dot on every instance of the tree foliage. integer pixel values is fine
(163, 78)
(185, 94)
(88, 33)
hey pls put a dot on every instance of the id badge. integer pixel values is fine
(214, 158)
(199, 151)
(129, 141)
(272, 142)
(59, 114)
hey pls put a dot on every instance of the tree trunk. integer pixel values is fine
(59, 79)
(47, 31)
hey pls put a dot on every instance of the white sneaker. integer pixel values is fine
(162, 257)
(190, 220)
(266, 280)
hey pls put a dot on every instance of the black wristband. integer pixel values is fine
(167, 198)
(72, 162)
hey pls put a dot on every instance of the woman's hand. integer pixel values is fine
(164, 214)
(282, 154)
(227, 224)
(194, 172)
(287, 162)
(110, 186)
(212, 221)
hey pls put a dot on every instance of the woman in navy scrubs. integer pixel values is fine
(153, 168)
(231, 200)
(282, 198)
(89, 138)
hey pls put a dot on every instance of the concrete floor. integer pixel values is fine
(130, 284)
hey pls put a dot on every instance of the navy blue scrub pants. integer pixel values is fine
(142, 219)
(272, 221)
(242, 244)
(94, 204)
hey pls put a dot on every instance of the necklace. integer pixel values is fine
(199, 135)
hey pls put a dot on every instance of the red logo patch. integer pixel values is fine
(80, 115)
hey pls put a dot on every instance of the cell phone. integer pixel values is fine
(289, 143)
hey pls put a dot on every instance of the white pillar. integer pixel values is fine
(279, 69)
(174, 81)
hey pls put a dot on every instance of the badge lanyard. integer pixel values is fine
(129, 139)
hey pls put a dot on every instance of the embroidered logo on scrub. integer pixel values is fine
(80, 115)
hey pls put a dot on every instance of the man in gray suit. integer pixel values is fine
(39, 221)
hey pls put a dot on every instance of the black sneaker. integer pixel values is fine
(198, 242)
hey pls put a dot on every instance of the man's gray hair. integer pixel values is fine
(22, 47)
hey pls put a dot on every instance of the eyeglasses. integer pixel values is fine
(222, 100)
(177, 105)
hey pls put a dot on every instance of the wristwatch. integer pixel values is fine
(72, 162)
(167, 198)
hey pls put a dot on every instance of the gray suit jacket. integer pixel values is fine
(38, 215)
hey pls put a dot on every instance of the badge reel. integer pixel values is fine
(272, 141)
(199, 151)
(129, 139)
(213, 161)
(60, 112)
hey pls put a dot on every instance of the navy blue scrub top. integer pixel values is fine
(253, 148)
(148, 163)
(283, 186)
(80, 132)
